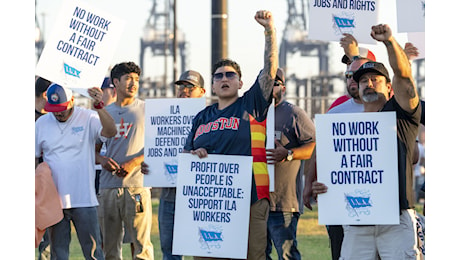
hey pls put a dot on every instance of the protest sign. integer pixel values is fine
(212, 206)
(168, 122)
(410, 15)
(357, 160)
(270, 144)
(418, 40)
(330, 19)
(78, 53)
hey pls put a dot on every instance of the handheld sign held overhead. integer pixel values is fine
(330, 19)
(81, 46)
(411, 15)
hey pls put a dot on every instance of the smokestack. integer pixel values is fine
(219, 30)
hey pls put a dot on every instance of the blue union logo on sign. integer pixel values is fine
(69, 70)
(344, 22)
(358, 203)
(211, 237)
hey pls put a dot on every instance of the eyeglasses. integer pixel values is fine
(228, 74)
(277, 83)
(182, 87)
(349, 74)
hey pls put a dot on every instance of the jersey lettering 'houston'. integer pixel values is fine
(219, 124)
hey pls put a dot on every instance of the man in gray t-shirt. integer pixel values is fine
(295, 142)
(123, 198)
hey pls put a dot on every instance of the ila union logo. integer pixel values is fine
(343, 23)
(358, 203)
(210, 237)
(69, 70)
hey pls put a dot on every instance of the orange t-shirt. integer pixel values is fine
(48, 206)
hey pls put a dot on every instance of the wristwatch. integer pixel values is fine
(290, 155)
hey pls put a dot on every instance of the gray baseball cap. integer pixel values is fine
(191, 77)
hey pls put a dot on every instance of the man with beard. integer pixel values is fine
(375, 88)
(294, 142)
(352, 105)
(352, 52)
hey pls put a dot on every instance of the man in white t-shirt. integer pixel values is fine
(65, 138)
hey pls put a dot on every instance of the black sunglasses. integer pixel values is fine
(220, 75)
(349, 74)
(277, 83)
(182, 87)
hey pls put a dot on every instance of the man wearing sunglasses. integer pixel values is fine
(294, 142)
(352, 55)
(354, 104)
(190, 85)
(241, 131)
(375, 89)
(352, 51)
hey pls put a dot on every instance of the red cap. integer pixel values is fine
(58, 98)
(363, 52)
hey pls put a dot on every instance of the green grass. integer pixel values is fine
(312, 238)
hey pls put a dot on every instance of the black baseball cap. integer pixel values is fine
(280, 75)
(371, 66)
(191, 77)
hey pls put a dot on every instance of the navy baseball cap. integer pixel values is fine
(107, 83)
(58, 98)
(191, 77)
(371, 66)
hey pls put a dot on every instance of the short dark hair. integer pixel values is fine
(41, 85)
(124, 68)
(226, 62)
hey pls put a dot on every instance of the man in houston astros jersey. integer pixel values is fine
(236, 126)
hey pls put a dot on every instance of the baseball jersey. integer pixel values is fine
(239, 129)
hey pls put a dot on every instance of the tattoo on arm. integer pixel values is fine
(270, 64)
